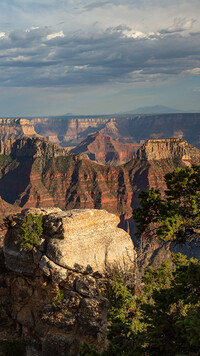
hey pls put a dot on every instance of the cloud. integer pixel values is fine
(54, 35)
(2, 34)
(179, 25)
(91, 43)
(40, 57)
(97, 4)
(193, 71)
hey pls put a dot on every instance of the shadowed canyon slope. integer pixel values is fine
(36, 173)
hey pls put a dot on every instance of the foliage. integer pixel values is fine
(31, 231)
(59, 296)
(87, 350)
(174, 216)
(121, 309)
(171, 309)
(57, 301)
(163, 320)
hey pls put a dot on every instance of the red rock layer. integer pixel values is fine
(39, 174)
(105, 150)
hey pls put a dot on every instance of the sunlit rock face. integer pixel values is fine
(172, 148)
(52, 295)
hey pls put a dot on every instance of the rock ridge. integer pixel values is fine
(171, 148)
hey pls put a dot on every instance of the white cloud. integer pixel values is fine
(32, 28)
(20, 58)
(193, 71)
(2, 34)
(54, 35)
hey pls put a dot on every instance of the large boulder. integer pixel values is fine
(74, 239)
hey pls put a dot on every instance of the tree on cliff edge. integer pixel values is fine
(165, 318)
(177, 215)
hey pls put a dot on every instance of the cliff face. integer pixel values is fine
(51, 295)
(130, 128)
(70, 132)
(172, 148)
(67, 132)
(103, 149)
(15, 128)
(36, 173)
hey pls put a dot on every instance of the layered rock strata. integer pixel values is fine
(172, 148)
(70, 131)
(15, 129)
(105, 150)
(36, 173)
(123, 128)
(52, 295)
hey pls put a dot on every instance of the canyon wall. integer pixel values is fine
(12, 129)
(125, 128)
(70, 132)
(36, 173)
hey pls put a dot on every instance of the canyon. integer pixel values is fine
(130, 130)
(124, 128)
(35, 173)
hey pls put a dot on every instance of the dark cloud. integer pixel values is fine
(39, 58)
(179, 25)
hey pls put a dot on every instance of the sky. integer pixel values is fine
(98, 57)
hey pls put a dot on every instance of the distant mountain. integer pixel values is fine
(157, 109)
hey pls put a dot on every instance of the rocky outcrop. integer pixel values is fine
(15, 129)
(32, 148)
(52, 295)
(172, 148)
(103, 149)
(74, 239)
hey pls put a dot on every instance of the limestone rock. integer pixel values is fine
(172, 148)
(75, 239)
(87, 237)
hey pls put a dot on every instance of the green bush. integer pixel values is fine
(174, 216)
(163, 320)
(31, 231)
